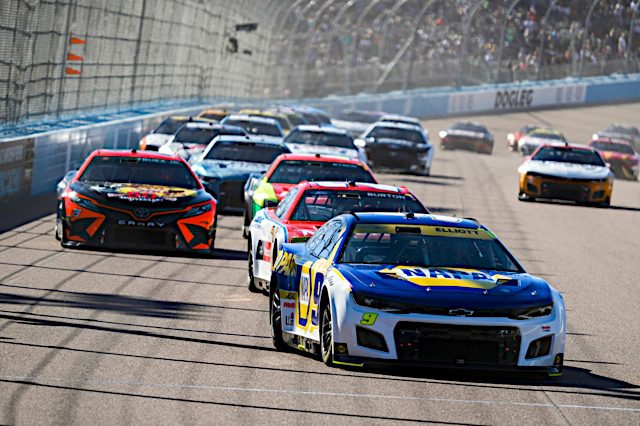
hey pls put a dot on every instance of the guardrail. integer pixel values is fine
(30, 166)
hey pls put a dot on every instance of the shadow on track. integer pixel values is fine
(223, 254)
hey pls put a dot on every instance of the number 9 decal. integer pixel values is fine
(368, 318)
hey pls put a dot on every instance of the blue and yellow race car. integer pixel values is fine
(414, 289)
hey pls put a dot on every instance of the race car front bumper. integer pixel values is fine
(364, 336)
(595, 191)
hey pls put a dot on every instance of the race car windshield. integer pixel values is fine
(169, 126)
(320, 139)
(322, 205)
(397, 133)
(613, 147)
(213, 115)
(569, 155)
(244, 151)
(256, 127)
(294, 171)
(195, 135)
(148, 171)
(546, 135)
(469, 127)
(426, 246)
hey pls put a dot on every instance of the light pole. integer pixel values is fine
(586, 33)
(501, 45)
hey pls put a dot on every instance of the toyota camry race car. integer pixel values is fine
(229, 161)
(136, 200)
(288, 170)
(324, 140)
(541, 136)
(398, 146)
(417, 290)
(620, 155)
(305, 208)
(568, 172)
(470, 136)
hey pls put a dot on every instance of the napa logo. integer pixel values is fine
(445, 277)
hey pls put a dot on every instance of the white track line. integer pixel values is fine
(315, 393)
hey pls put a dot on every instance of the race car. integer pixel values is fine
(227, 163)
(313, 115)
(626, 132)
(305, 208)
(136, 200)
(620, 156)
(192, 138)
(568, 172)
(281, 118)
(260, 126)
(397, 146)
(357, 122)
(214, 114)
(288, 170)
(514, 138)
(467, 135)
(372, 289)
(314, 139)
(402, 119)
(532, 140)
(169, 126)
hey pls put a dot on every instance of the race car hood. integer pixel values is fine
(565, 170)
(228, 169)
(355, 127)
(396, 143)
(465, 134)
(447, 287)
(297, 148)
(128, 195)
(618, 156)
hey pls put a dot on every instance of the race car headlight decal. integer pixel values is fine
(371, 339)
(379, 304)
(83, 202)
(539, 347)
(195, 211)
(531, 312)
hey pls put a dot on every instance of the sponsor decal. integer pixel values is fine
(288, 312)
(285, 264)
(266, 251)
(304, 290)
(445, 277)
(508, 99)
(369, 318)
(145, 193)
(546, 328)
(386, 195)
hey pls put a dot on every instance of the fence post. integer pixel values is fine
(465, 41)
(543, 27)
(585, 35)
(630, 39)
(352, 55)
(385, 29)
(502, 35)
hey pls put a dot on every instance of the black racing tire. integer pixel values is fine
(326, 334)
(251, 281)
(246, 223)
(275, 317)
(606, 203)
(213, 235)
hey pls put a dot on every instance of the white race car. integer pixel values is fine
(324, 140)
(414, 289)
(528, 143)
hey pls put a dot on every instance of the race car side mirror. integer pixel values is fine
(269, 204)
(360, 143)
(608, 165)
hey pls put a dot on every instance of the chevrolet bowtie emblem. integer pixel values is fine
(461, 312)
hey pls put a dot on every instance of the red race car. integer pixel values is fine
(288, 170)
(308, 206)
(620, 155)
(135, 200)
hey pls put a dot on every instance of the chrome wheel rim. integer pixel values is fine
(327, 331)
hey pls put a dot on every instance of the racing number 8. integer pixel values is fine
(368, 318)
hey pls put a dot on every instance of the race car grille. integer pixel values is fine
(79, 226)
(232, 194)
(139, 237)
(564, 191)
(457, 344)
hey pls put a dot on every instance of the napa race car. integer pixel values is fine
(324, 140)
(305, 208)
(397, 146)
(528, 143)
(229, 161)
(288, 170)
(417, 290)
(469, 136)
(619, 154)
(136, 200)
(566, 172)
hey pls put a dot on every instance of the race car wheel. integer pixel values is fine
(524, 197)
(251, 282)
(275, 316)
(213, 234)
(246, 223)
(326, 335)
(606, 203)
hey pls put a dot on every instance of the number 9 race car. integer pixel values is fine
(414, 289)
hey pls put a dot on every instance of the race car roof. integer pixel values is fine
(394, 117)
(251, 118)
(317, 158)
(249, 139)
(413, 219)
(394, 125)
(209, 125)
(545, 130)
(617, 141)
(567, 145)
(353, 186)
(132, 153)
(322, 129)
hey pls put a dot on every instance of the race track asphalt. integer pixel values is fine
(90, 337)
